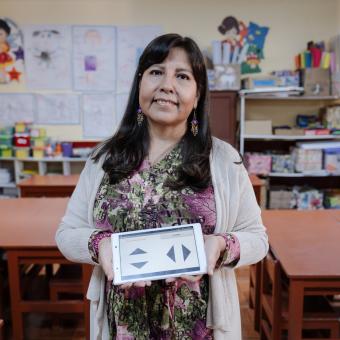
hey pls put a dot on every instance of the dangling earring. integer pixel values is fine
(194, 124)
(140, 116)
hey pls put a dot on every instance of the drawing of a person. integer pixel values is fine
(5, 57)
(234, 31)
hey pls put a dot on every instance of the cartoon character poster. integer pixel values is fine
(11, 52)
(245, 43)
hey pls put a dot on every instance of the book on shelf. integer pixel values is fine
(274, 89)
(318, 145)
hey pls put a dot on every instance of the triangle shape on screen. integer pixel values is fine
(138, 251)
(186, 252)
(171, 254)
(139, 265)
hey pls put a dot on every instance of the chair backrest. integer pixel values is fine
(271, 294)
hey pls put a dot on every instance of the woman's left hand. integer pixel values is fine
(213, 245)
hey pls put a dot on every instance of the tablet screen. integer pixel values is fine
(158, 252)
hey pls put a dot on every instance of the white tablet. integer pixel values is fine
(154, 254)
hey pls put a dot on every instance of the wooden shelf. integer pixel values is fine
(303, 174)
(287, 137)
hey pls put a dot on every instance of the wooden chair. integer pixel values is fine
(1, 327)
(254, 292)
(318, 314)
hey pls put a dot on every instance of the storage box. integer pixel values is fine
(280, 199)
(289, 132)
(282, 163)
(307, 160)
(6, 140)
(316, 81)
(227, 77)
(6, 151)
(258, 127)
(258, 164)
(38, 142)
(38, 152)
(22, 140)
(22, 152)
(332, 160)
(260, 82)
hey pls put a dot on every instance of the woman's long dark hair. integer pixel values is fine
(128, 147)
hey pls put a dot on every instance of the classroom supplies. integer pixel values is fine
(258, 164)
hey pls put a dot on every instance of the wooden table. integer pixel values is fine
(307, 244)
(28, 227)
(48, 186)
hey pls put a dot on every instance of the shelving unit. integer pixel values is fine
(282, 109)
(247, 95)
(42, 166)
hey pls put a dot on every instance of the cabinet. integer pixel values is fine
(223, 115)
(18, 168)
(282, 110)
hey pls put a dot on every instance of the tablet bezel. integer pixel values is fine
(199, 242)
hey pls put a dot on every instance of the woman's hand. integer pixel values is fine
(105, 258)
(213, 245)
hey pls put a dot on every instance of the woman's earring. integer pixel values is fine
(140, 116)
(194, 124)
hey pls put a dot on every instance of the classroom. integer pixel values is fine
(169, 170)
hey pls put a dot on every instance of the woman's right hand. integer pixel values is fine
(105, 258)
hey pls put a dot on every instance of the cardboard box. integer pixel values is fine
(227, 77)
(289, 132)
(316, 82)
(258, 127)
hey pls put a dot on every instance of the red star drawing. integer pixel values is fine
(14, 74)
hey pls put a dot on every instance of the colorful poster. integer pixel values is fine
(243, 44)
(16, 108)
(131, 41)
(94, 64)
(48, 56)
(57, 109)
(11, 52)
(99, 119)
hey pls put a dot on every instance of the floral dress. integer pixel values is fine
(163, 310)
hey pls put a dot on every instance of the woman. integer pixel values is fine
(163, 168)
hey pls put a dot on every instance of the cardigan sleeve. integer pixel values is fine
(248, 227)
(75, 230)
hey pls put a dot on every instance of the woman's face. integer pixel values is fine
(168, 91)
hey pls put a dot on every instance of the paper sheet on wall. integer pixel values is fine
(121, 102)
(48, 56)
(15, 108)
(98, 115)
(57, 109)
(131, 41)
(94, 64)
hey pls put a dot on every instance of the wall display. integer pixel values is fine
(57, 109)
(11, 51)
(131, 41)
(241, 44)
(99, 119)
(16, 107)
(48, 56)
(94, 64)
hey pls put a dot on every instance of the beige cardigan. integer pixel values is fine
(237, 212)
